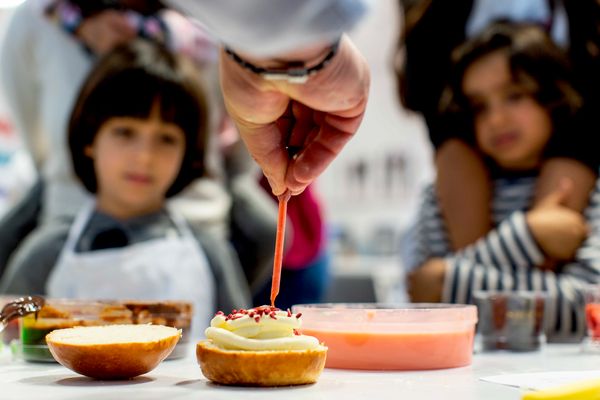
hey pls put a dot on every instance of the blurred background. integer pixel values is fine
(370, 192)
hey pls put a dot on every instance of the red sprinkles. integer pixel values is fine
(256, 313)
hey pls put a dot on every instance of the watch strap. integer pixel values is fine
(293, 71)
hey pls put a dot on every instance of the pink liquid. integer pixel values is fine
(396, 351)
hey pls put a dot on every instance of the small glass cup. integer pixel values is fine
(510, 320)
(592, 317)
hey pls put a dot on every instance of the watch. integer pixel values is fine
(293, 71)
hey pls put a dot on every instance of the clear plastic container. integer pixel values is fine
(58, 314)
(392, 337)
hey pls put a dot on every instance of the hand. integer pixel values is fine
(557, 229)
(426, 283)
(319, 116)
(105, 30)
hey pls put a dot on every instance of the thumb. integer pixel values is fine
(559, 195)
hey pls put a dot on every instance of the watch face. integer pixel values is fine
(291, 76)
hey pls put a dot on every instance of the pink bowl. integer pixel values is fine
(392, 337)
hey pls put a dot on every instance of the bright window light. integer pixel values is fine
(10, 3)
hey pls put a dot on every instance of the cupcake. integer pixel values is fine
(261, 346)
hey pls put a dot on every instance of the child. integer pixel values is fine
(137, 136)
(422, 76)
(514, 86)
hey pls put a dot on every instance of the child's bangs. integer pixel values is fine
(180, 107)
(139, 92)
(526, 82)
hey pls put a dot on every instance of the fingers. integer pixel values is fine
(266, 146)
(317, 154)
(318, 118)
(318, 139)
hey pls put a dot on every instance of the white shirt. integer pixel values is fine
(271, 27)
(537, 11)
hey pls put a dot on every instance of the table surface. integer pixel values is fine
(182, 379)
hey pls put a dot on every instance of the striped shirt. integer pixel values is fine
(508, 256)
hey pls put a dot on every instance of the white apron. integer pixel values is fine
(169, 268)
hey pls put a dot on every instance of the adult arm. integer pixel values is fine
(319, 116)
(460, 169)
(19, 76)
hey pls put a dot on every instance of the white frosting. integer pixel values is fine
(259, 329)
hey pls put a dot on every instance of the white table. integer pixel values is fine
(182, 379)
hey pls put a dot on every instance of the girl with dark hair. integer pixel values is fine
(512, 89)
(48, 49)
(423, 74)
(137, 136)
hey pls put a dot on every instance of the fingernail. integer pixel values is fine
(274, 188)
(293, 151)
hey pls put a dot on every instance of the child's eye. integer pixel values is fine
(477, 108)
(123, 132)
(170, 139)
(515, 95)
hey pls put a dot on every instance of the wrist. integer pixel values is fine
(294, 67)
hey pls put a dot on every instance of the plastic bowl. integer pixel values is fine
(392, 337)
(67, 313)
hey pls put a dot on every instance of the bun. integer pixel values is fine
(260, 368)
(112, 351)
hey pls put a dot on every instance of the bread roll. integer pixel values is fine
(260, 368)
(112, 351)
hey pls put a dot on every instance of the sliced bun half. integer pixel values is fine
(260, 368)
(112, 351)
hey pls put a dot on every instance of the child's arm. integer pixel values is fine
(565, 307)
(519, 244)
(464, 191)
(565, 317)
(510, 249)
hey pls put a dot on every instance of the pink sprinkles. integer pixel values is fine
(256, 313)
